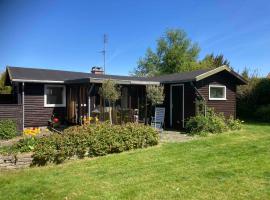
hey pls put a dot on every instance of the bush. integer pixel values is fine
(211, 123)
(93, 140)
(23, 145)
(234, 124)
(8, 129)
(262, 113)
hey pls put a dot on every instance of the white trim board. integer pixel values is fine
(183, 104)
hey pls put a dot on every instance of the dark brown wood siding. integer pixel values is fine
(35, 112)
(228, 107)
(13, 112)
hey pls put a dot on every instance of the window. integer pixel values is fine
(217, 92)
(54, 96)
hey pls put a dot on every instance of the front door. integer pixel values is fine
(177, 106)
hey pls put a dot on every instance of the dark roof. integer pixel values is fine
(180, 77)
(22, 73)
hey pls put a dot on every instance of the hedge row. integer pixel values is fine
(93, 140)
(8, 129)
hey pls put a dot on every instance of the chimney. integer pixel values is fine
(97, 70)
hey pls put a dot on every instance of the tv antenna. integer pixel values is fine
(104, 51)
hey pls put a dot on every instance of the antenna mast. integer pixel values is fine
(105, 41)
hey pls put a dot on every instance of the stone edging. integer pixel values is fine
(18, 161)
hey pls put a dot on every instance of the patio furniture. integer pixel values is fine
(157, 121)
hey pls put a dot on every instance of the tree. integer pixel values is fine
(110, 92)
(4, 89)
(211, 61)
(174, 53)
(155, 94)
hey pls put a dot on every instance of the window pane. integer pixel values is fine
(217, 92)
(54, 95)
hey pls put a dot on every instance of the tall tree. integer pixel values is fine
(174, 53)
(213, 61)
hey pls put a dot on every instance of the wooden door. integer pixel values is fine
(177, 106)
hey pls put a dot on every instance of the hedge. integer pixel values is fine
(93, 140)
(211, 123)
(8, 129)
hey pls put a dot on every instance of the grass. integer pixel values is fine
(227, 166)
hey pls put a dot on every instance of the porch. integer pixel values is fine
(84, 102)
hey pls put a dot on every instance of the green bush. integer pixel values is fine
(93, 140)
(8, 129)
(23, 145)
(211, 123)
(234, 124)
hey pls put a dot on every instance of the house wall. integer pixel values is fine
(228, 107)
(34, 111)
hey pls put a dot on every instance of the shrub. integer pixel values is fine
(262, 113)
(93, 140)
(23, 145)
(211, 123)
(26, 144)
(234, 124)
(8, 129)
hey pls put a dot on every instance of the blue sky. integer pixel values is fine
(68, 34)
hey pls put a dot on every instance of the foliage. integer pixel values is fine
(4, 89)
(26, 144)
(211, 123)
(147, 66)
(93, 140)
(211, 61)
(234, 124)
(174, 53)
(253, 98)
(109, 90)
(155, 94)
(262, 113)
(8, 129)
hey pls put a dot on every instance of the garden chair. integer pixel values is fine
(157, 121)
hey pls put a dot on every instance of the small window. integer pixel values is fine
(217, 92)
(54, 96)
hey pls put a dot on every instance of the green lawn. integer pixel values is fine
(227, 166)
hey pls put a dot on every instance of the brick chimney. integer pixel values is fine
(97, 70)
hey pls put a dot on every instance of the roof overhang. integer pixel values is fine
(36, 81)
(220, 69)
(125, 82)
(101, 80)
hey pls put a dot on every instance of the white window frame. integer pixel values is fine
(218, 86)
(63, 96)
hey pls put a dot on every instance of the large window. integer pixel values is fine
(54, 96)
(217, 92)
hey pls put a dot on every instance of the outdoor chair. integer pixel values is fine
(157, 121)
